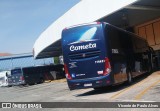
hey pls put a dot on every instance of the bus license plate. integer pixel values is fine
(86, 85)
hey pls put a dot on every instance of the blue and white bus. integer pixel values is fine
(99, 54)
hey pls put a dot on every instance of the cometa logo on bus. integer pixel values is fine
(82, 47)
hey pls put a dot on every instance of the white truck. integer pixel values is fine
(4, 78)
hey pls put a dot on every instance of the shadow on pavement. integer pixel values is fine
(115, 88)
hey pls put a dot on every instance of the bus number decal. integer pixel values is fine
(115, 51)
(99, 61)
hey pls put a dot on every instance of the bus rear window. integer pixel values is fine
(81, 34)
(16, 71)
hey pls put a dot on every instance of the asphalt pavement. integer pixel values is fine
(144, 89)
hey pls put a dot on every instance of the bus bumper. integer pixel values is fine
(18, 83)
(89, 82)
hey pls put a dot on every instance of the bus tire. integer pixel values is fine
(100, 88)
(149, 69)
(97, 88)
(129, 78)
(41, 80)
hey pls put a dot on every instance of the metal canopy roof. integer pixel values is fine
(137, 13)
(51, 51)
(123, 15)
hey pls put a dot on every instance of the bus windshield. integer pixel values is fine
(16, 71)
(81, 34)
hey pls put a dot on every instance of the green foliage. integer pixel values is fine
(56, 60)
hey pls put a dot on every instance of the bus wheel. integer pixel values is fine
(100, 88)
(149, 69)
(41, 80)
(129, 78)
(97, 88)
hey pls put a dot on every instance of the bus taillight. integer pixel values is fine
(67, 72)
(21, 78)
(98, 22)
(107, 69)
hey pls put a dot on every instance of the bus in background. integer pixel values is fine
(26, 75)
(5, 78)
(99, 54)
(17, 77)
(36, 74)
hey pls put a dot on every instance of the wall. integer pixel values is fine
(151, 32)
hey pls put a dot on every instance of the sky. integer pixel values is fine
(22, 22)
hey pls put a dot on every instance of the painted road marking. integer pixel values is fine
(145, 90)
(127, 89)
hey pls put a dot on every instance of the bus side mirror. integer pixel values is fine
(6, 74)
(151, 50)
